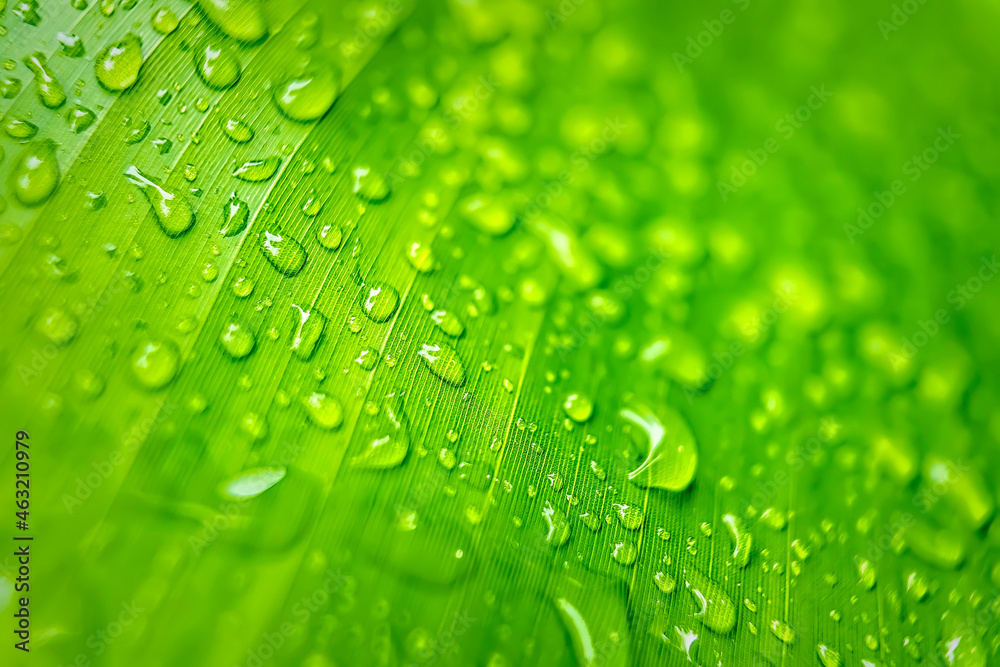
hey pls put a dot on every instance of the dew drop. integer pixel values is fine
(715, 608)
(237, 340)
(579, 407)
(257, 171)
(171, 209)
(392, 440)
(240, 19)
(217, 66)
(117, 65)
(444, 362)
(50, 91)
(673, 452)
(307, 97)
(324, 410)
(235, 215)
(251, 483)
(34, 175)
(380, 301)
(283, 252)
(155, 363)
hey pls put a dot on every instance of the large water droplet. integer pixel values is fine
(828, 657)
(324, 410)
(558, 526)
(283, 252)
(307, 328)
(235, 215)
(35, 173)
(741, 537)
(673, 452)
(782, 631)
(117, 65)
(307, 97)
(370, 185)
(380, 301)
(715, 608)
(579, 407)
(155, 363)
(578, 265)
(579, 632)
(236, 130)
(217, 66)
(171, 209)
(50, 91)
(240, 19)
(448, 322)
(251, 483)
(444, 362)
(257, 171)
(57, 325)
(237, 340)
(392, 440)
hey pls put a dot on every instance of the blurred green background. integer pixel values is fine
(501, 333)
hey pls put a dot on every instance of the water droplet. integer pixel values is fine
(782, 631)
(243, 287)
(558, 526)
(34, 175)
(171, 209)
(283, 252)
(943, 549)
(312, 204)
(240, 19)
(741, 538)
(828, 657)
(257, 171)
(235, 215)
(117, 65)
(673, 452)
(251, 483)
(580, 636)
(10, 87)
(715, 608)
(155, 363)
(137, 133)
(380, 302)
(71, 45)
(217, 66)
(324, 410)
(79, 118)
(307, 97)
(444, 362)
(866, 573)
(630, 516)
(579, 407)
(254, 425)
(164, 21)
(624, 553)
(392, 441)
(330, 236)
(420, 257)
(448, 322)
(664, 582)
(307, 328)
(19, 128)
(237, 340)
(578, 265)
(50, 91)
(237, 130)
(57, 325)
(488, 214)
